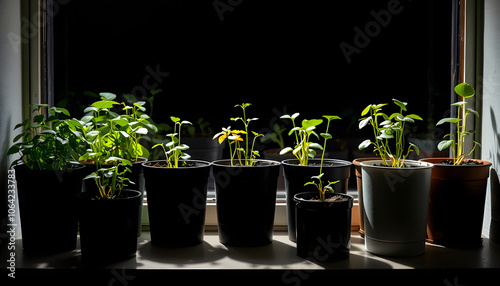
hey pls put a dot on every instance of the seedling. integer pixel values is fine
(458, 147)
(175, 148)
(392, 127)
(46, 143)
(245, 156)
(319, 185)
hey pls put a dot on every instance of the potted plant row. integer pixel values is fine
(399, 198)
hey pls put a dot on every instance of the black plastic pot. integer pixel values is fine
(136, 176)
(176, 203)
(48, 207)
(323, 228)
(108, 228)
(297, 175)
(246, 200)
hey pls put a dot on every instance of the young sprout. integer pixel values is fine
(391, 127)
(176, 149)
(246, 156)
(458, 147)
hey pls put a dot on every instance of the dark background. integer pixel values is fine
(281, 56)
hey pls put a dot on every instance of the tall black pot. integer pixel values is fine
(108, 227)
(246, 200)
(297, 175)
(323, 228)
(47, 206)
(177, 202)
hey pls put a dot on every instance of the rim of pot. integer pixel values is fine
(411, 163)
(439, 159)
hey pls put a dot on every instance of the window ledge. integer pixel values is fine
(278, 259)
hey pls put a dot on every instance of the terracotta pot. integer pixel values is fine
(456, 203)
(359, 184)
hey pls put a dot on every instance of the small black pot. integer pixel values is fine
(136, 176)
(177, 203)
(323, 228)
(108, 228)
(47, 206)
(246, 200)
(297, 175)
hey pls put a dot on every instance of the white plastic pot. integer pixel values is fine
(395, 202)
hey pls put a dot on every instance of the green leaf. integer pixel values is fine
(104, 104)
(142, 131)
(364, 144)
(107, 95)
(19, 136)
(473, 112)
(331, 117)
(415, 148)
(38, 118)
(464, 90)
(445, 144)
(285, 150)
(326, 135)
(366, 110)
(400, 104)
(90, 109)
(364, 122)
(315, 146)
(156, 145)
(459, 104)
(448, 120)
(48, 131)
(414, 116)
(174, 119)
(13, 150)
(311, 123)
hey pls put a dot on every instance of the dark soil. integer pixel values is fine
(464, 163)
(333, 199)
(184, 164)
(318, 164)
(381, 165)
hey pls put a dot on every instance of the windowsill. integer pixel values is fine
(279, 255)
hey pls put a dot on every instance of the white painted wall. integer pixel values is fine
(490, 140)
(10, 93)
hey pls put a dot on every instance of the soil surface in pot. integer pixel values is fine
(465, 163)
(318, 164)
(185, 164)
(333, 199)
